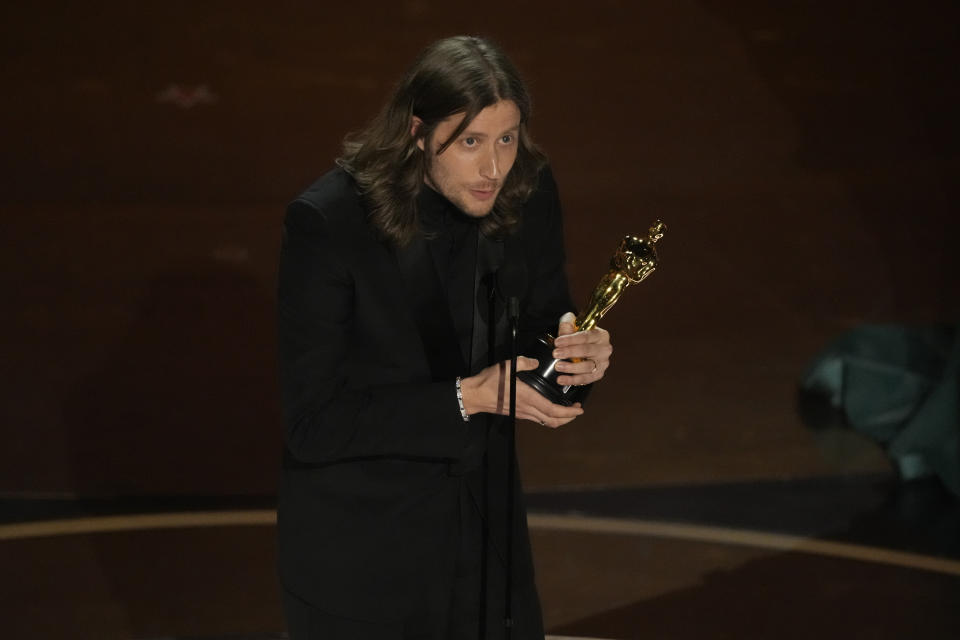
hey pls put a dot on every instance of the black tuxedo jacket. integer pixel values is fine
(376, 450)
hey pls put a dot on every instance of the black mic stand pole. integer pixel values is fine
(485, 470)
(513, 310)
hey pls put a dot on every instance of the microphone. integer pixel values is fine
(493, 298)
(511, 281)
(510, 284)
(513, 308)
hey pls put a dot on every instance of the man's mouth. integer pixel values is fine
(483, 193)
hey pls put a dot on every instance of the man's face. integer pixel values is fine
(472, 169)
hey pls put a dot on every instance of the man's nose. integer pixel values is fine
(490, 165)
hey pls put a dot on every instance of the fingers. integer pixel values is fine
(527, 364)
(533, 406)
(596, 337)
(567, 324)
(582, 371)
(580, 379)
(584, 344)
(488, 392)
(584, 366)
(586, 356)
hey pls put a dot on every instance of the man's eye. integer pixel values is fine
(469, 141)
(507, 139)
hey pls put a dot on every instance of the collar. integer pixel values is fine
(438, 214)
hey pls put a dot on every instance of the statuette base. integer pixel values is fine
(544, 378)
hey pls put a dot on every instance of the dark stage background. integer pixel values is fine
(804, 158)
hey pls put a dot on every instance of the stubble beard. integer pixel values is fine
(461, 198)
(478, 210)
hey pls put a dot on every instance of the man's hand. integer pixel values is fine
(591, 351)
(489, 392)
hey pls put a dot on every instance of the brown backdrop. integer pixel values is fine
(804, 158)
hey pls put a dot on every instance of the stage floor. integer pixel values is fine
(827, 557)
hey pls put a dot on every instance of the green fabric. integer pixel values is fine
(899, 386)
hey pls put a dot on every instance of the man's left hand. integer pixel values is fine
(592, 349)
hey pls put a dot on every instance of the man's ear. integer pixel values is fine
(415, 124)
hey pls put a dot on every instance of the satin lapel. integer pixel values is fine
(430, 310)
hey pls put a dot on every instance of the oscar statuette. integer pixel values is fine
(634, 260)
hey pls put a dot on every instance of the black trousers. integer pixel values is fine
(446, 611)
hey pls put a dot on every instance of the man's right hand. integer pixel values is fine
(489, 392)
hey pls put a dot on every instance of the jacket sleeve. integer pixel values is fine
(325, 421)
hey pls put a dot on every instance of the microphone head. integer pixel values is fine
(502, 288)
(513, 307)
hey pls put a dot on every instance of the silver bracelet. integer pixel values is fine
(463, 412)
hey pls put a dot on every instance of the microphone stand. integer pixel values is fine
(485, 472)
(513, 310)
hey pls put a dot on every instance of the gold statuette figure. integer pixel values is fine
(634, 260)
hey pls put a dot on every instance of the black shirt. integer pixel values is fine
(452, 236)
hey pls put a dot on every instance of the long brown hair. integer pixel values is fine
(462, 74)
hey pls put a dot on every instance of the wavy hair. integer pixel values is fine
(462, 74)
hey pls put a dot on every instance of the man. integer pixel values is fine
(392, 341)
